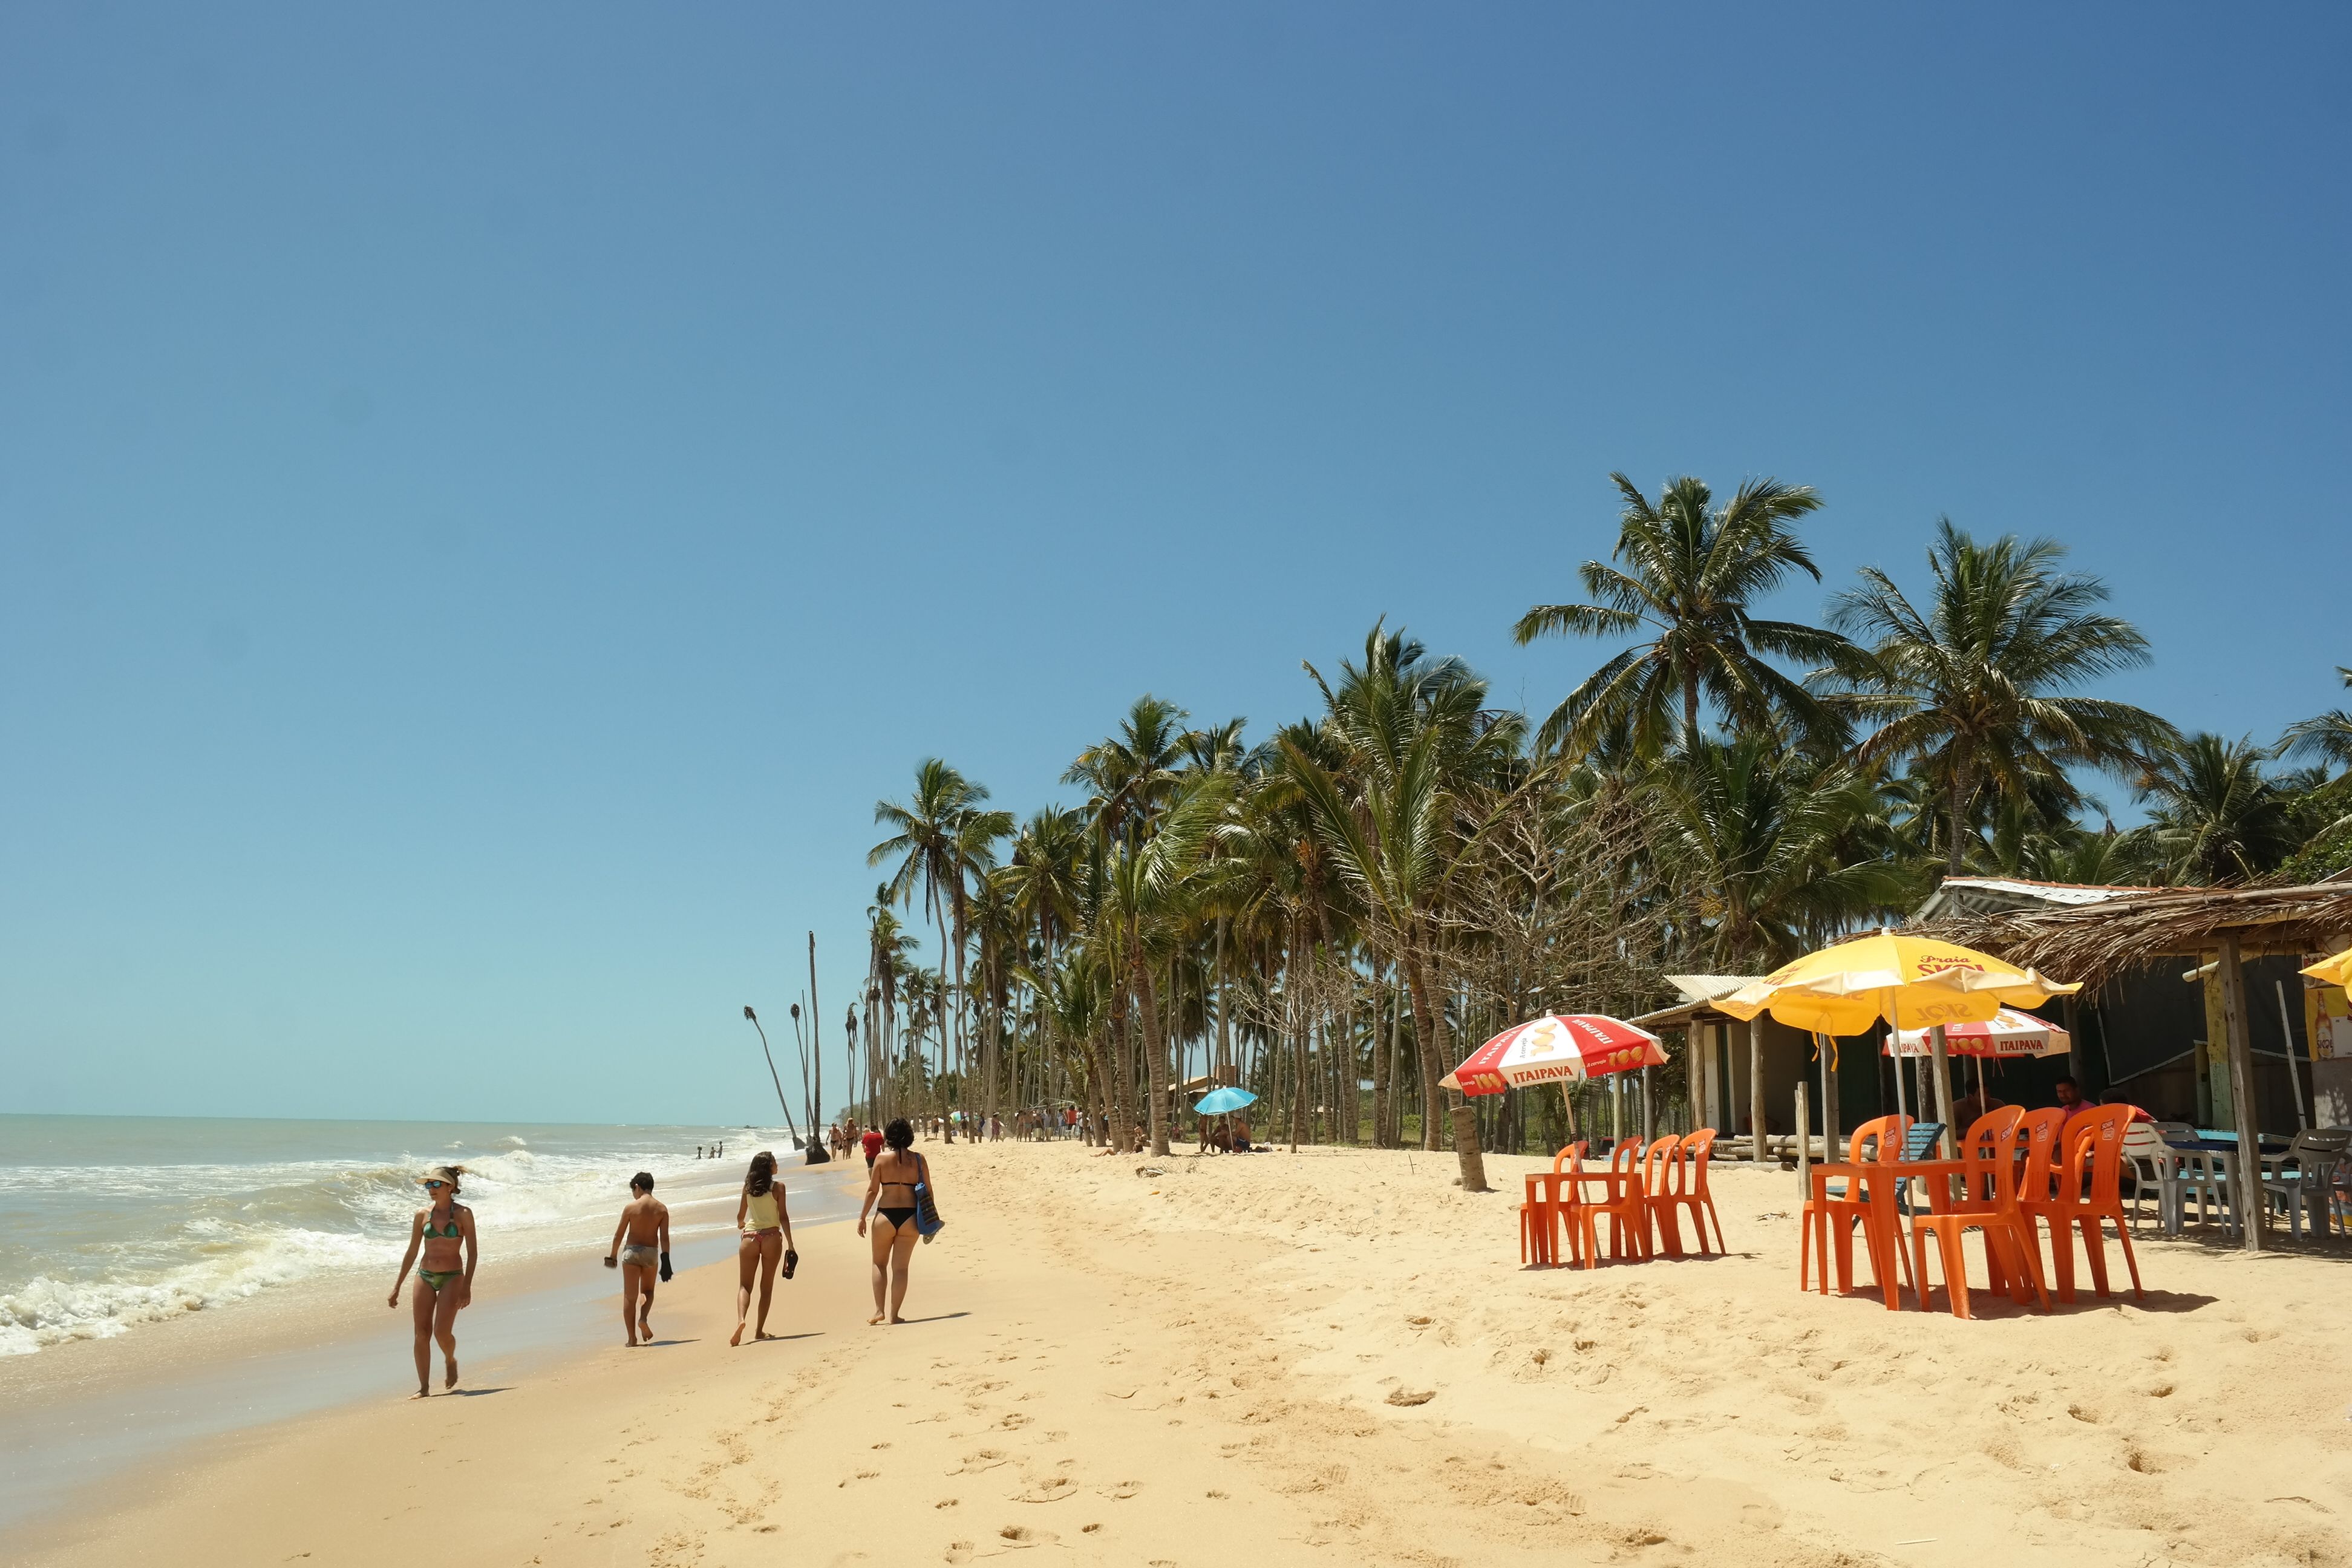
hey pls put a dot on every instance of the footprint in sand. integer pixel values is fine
(1022, 1535)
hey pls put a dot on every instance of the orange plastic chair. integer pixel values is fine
(1625, 1204)
(1685, 1187)
(2013, 1253)
(1662, 1173)
(2095, 1149)
(1881, 1139)
(1993, 1127)
(1540, 1221)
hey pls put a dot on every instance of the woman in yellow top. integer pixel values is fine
(767, 1229)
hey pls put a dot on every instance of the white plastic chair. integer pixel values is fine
(2156, 1163)
(2305, 1189)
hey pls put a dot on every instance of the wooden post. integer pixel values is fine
(2248, 1184)
(1804, 1150)
(2073, 1052)
(1939, 1051)
(1649, 1117)
(1831, 1125)
(1756, 1082)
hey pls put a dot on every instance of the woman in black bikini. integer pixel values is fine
(895, 1173)
(443, 1231)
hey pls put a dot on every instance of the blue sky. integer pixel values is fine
(488, 502)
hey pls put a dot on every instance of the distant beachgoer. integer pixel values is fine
(697, 1151)
(766, 1225)
(872, 1144)
(1241, 1136)
(893, 1178)
(641, 1248)
(444, 1279)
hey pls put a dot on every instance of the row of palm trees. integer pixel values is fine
(1328, 915)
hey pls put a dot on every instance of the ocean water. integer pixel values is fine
(116, 1222)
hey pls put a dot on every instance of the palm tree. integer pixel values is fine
(924, 842)
(1149, 889)
(1132, 774)
(971, 853)
(1689, 575)
(1044, 875)
(1413, 732)
(942, 839)
(2215, 818)
(1772, 839)
(2327, 738)
(1970, 689)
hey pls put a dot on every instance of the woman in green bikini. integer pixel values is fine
(444, 1279)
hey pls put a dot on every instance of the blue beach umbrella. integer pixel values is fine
(1219, 1100)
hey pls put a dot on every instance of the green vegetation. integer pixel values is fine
(1334, 915)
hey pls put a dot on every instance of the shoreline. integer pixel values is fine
(83, 1411)
(1267, 1359)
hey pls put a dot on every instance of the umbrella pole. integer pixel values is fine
(1903, 1232)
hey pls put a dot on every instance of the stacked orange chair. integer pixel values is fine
(2013, 1252)
(1879, 1139)
(1678, 1182)
(1661, 1167)
(1625, 1206)
(2089, 1190)
(1540, 1221)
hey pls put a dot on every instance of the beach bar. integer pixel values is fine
(2132, 946)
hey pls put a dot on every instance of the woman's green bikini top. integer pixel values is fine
(450, 1233)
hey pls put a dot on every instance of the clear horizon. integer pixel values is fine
(489, 506)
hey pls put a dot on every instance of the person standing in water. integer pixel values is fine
(766, 1225)
(641, 1249)
(893, 1179)
(443, 1231)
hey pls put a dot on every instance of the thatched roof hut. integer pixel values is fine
(2093, 942)
(2103, 935)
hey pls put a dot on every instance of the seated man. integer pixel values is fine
(2071, 1102)
(1241, 1137)
(1983, 1102)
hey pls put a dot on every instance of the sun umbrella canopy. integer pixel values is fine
(1913, 981)
(2337, 971)
(1555, 1048)
(1217, 1101)
(2007, 1033)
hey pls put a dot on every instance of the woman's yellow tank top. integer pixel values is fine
(760, 1215)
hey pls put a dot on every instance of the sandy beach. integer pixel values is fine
(1328, 1357)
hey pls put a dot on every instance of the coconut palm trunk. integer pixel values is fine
(1155, 1050)
(1426, 1023)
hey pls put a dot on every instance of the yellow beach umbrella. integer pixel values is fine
(1912, 981)
(2337, 971)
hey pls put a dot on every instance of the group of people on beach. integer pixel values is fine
(444, 1250)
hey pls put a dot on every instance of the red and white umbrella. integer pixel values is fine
(2007, 1033)
(1558, 1047)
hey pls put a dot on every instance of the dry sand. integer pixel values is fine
(1206, 1367)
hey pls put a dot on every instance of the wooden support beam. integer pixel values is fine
(1756, 1080)
(2248, 1184)
(1939, 1053)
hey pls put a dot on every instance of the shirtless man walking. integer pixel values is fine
(641, 1248)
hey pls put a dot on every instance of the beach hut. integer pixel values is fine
(2124, 941)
